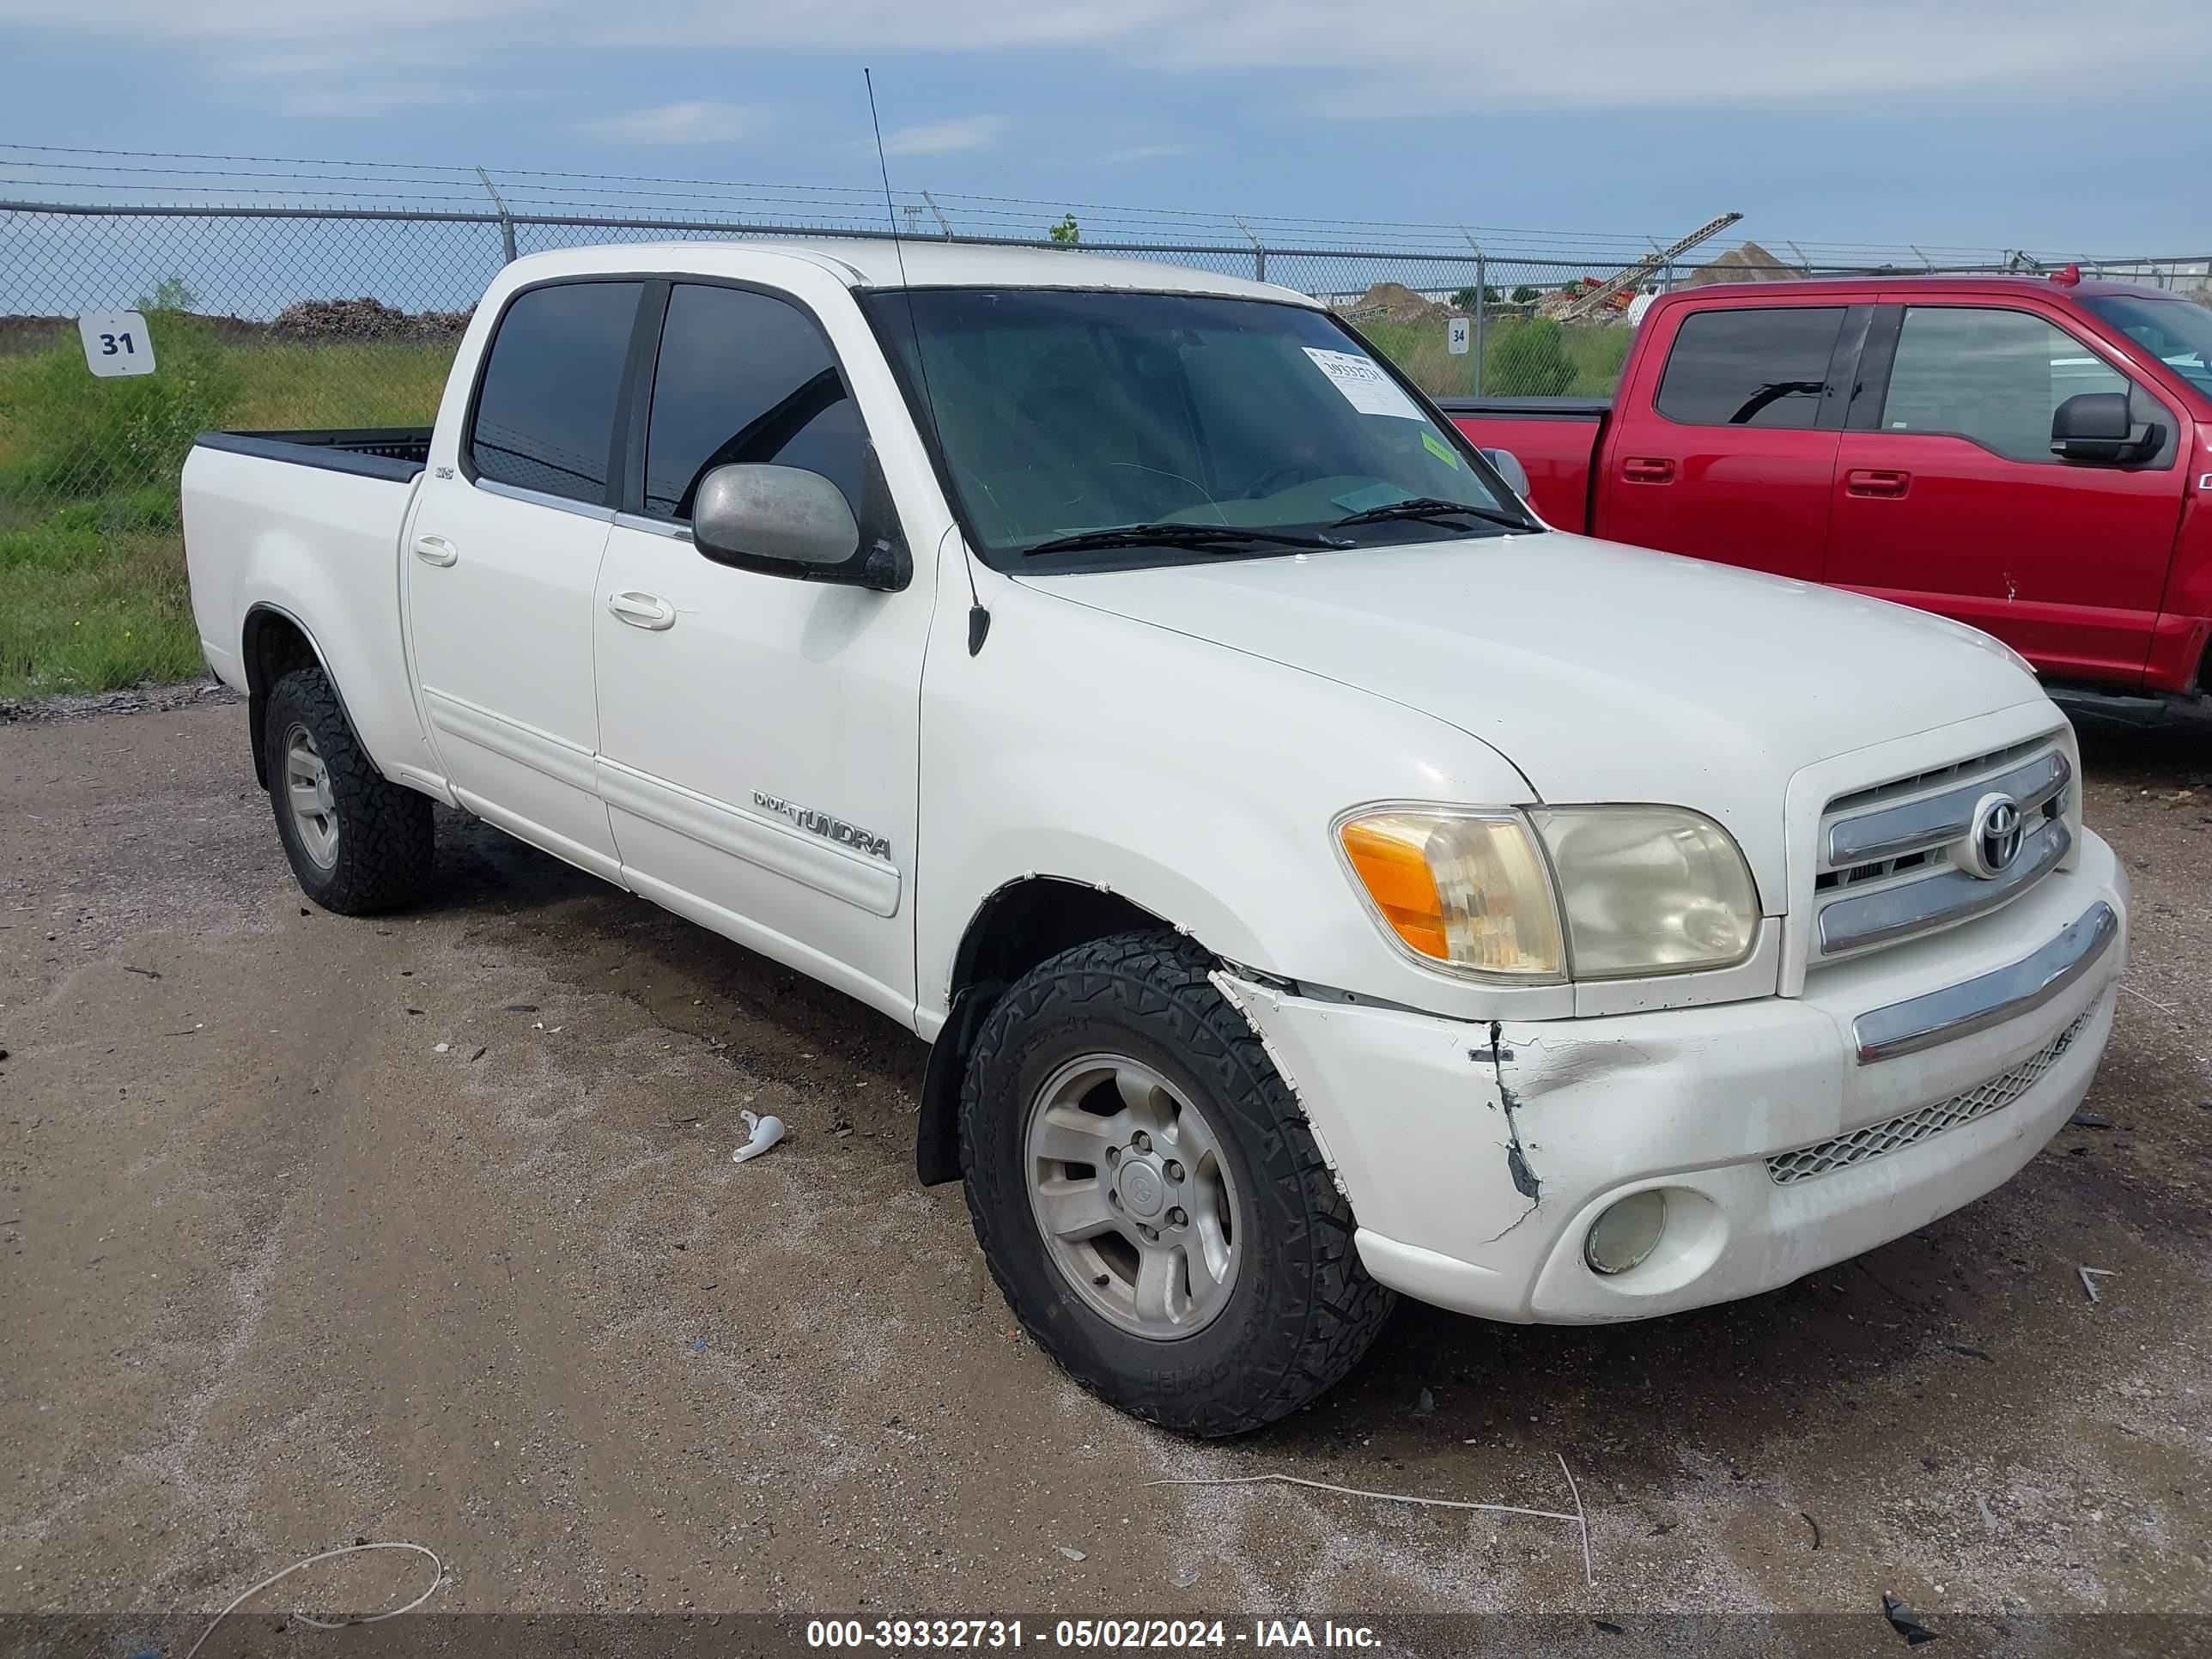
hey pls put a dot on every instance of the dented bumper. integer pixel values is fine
(1779, 1150)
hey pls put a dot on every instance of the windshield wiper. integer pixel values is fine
(1430, 506)
(1181, 535)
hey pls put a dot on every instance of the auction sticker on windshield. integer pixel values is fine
(1363, 384)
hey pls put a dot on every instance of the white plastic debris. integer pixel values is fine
(1073, 1555)
(762, 1133)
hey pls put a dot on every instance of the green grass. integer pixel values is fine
(1597, 353)
(92, 592)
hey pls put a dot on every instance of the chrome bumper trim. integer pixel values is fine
(1974, 1004)
(1846, 924)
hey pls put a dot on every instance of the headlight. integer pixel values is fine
(1467, 890)
(1649, 890)
(1626, 891)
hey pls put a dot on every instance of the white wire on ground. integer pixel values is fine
(1578, 1518)
(329, 1623)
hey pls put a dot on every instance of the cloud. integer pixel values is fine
(948, 138)
(696, 121)
(338, 101)
(1134, 153)
(1410, 57)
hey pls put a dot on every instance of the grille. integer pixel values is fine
(1898, 788)
(1880, 870)
(1885, 866)
(1878, 1140)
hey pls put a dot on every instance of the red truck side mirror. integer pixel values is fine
(2098, 426)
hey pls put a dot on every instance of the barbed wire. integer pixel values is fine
(70, 173)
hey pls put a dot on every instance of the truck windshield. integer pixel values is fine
(2177, 332)
(1109, 420)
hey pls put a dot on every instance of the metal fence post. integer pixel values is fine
(505, 221)
(1481, 305)
(1258, 253)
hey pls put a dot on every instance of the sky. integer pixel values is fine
(1991, 123)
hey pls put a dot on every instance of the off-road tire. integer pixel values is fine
(1301, 1310)
(386, 838)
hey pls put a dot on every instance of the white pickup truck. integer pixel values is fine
(1317, 879)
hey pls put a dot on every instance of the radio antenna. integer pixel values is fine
(978, 619)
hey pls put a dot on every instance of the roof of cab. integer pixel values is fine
(863, 263)
(1921, 283)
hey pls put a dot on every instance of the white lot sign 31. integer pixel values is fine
(116, 343)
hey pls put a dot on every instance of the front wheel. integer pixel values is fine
(1150, 1199)
(357, 842)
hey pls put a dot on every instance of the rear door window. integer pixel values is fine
(746, 377)
(545, 408)
(1751, 367)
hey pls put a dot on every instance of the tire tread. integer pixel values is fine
(386, 837)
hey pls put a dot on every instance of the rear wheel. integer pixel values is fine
(357, 842)
(1150, 1199)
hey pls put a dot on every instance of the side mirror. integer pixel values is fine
(787, 521)
(2098, 426)
(1509, 468)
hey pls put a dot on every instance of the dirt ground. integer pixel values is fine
(426, 1227)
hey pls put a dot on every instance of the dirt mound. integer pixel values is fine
(1394, 302)
(364, 319)
(1748, 263)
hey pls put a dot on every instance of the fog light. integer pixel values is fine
(1626, 1233)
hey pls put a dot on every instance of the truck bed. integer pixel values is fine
(1555, 439)
(397, 453)
(306, 525)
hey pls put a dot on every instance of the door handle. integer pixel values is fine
(643, 610)
(1877, 483)
(436, 549)
(1640, 469)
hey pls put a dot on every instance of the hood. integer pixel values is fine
(1602, 672)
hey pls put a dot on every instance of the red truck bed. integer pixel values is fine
(1553, 437)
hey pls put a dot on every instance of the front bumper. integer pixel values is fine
(1418, 1116)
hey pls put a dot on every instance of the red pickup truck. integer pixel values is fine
(2030, 455)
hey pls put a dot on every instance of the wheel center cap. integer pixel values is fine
(1143, 1192)
(322, 795)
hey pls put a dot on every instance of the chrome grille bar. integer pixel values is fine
(1847, 924)
(1919, 824)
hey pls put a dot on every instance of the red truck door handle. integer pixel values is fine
(1879, 483)
(1638, 469)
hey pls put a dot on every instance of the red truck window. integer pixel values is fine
(1990, 376)
(1751, 367)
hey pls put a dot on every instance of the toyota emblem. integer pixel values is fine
(1994, 840)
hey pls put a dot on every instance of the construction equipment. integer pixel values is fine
(1588, 306)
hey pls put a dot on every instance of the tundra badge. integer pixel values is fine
(821, 824)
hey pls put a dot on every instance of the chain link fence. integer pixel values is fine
(277, 318)
(278, 313)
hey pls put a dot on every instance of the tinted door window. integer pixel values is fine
(1995, 377)
(545, 412)
(746, 377)
(1765, 368)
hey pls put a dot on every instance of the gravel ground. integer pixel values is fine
(426, 1227)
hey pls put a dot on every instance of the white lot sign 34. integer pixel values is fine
(116, 343)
